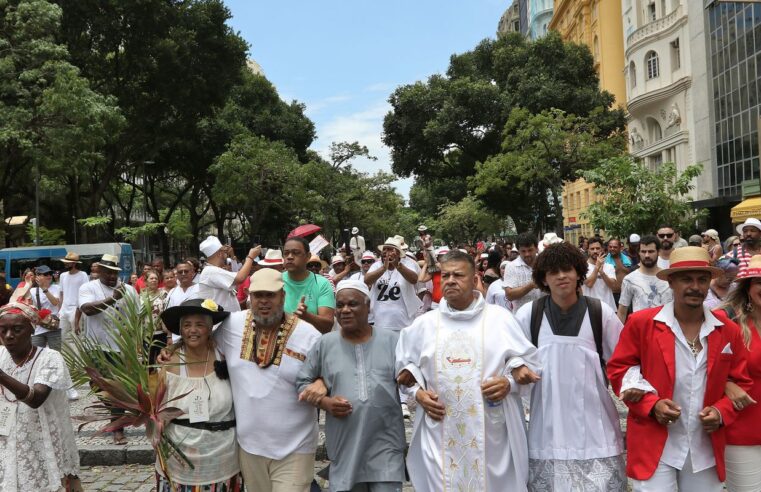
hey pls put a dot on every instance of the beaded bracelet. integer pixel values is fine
(28, 396)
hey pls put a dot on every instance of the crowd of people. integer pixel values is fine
(505, 352)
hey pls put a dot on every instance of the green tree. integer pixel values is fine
(258, 180)
(170, 64)
(539, 153)
(51, 119)
(441, 128)
(634, 198)
(467, 221)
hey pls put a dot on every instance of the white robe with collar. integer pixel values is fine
(453, 353)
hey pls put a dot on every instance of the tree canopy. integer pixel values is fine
(633, 197)
(450, 126)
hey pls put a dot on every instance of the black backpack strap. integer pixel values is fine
(537, 314)
(594, 308)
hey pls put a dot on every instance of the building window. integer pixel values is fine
(676, 62)
(597, 48)
(632, 75)
(653, 68)
(651, 12)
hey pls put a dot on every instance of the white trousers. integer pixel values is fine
(668, 479)
(743, 468)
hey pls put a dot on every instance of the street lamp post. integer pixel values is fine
(37, 204)
(145, 209)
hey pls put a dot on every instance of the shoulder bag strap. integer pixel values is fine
(537, 313)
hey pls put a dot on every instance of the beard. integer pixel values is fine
(270, 320)
(649, 262)
(667, 245)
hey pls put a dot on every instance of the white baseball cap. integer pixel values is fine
(634, 238)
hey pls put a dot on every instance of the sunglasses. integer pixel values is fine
(314, 265)
(666, 236)
(736, 244)
(368, 262)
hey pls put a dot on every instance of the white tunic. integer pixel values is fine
(41, 448)
(453, 353)
(573, 416)
(271, 421)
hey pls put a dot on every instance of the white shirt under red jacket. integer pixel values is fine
(651, 339)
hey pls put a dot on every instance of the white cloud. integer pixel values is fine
(366, 127)
(316, 106)
(380, 87)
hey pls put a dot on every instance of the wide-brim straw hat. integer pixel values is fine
(109, 261)
(172, 316)
(273, 257)
(753, 269)
(71, 257)
(690, 259)
(392, 242)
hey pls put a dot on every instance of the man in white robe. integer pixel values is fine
(469, 429)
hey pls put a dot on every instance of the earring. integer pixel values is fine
(749, 307)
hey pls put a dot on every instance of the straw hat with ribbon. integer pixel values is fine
(753, 269)
(690, 259)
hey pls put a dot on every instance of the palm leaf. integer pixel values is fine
(119, 378)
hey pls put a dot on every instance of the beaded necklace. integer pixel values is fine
(28, 376)
(265, 348)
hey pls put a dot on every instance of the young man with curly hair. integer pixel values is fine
(574, 436)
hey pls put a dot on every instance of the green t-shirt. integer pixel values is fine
(315, 288)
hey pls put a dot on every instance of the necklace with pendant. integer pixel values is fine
(694, 345)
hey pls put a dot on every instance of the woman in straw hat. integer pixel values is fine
(37, 446)
(205, 432)
(743, 452)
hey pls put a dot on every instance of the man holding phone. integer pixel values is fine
(215, 282)
(393, 298)
(601, 275)
(45, 295)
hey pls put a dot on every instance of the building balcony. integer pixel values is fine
(655, 27)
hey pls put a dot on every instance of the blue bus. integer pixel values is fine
(14, 261)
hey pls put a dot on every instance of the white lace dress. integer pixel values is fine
(41, 448)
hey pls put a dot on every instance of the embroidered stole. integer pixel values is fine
(459, 359)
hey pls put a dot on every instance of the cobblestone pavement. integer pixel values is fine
(140, 478)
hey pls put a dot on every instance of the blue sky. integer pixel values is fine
(344, 58)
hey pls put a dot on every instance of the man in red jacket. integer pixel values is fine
(671, 366)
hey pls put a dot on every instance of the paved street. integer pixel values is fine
(139, 478)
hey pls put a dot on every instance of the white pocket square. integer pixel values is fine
(727, 349)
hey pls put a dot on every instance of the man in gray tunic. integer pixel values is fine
(364, 424)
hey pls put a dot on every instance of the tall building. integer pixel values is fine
(515, 18)
(539, 16)
(597, 24)
(734, 61)
(511, 19)
(667, 86)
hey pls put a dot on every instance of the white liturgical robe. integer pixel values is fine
(476, 446)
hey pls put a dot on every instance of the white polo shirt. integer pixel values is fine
(99, 326)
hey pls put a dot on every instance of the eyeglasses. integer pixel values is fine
(736, 244)
(666, 236)
(182, 272)
(314, 265)
(368, 262)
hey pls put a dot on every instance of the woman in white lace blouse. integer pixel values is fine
(37, 447)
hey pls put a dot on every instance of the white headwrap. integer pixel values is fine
(353, 284)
